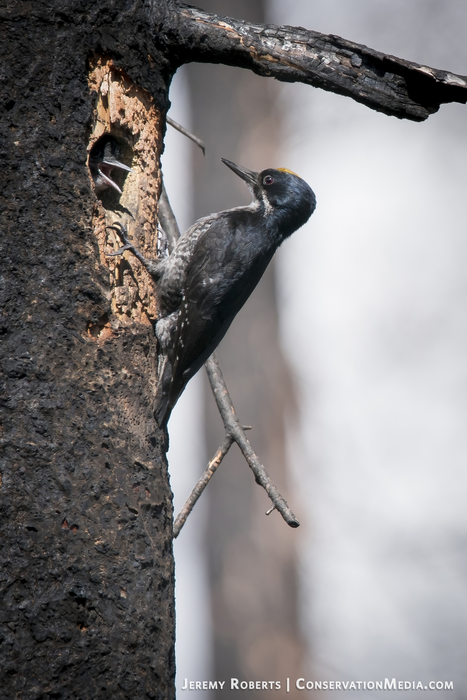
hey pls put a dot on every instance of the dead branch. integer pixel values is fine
(235, 431)
(292, 54)
(187, 133)
(201, 485)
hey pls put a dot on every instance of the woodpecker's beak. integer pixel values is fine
(250, 177)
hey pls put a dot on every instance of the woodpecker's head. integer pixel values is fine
(102, 160)
(281, 194)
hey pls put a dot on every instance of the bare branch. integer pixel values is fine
(201, 485)
(292, 54)
(167, 219)
(235, 430)
(187, 133)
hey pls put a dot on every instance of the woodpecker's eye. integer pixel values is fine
(268, 180)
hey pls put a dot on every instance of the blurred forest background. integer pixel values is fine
(349, 362)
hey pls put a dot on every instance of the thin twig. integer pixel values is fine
(167, 220)
(201, 485)
(234, 430)
(187, 133)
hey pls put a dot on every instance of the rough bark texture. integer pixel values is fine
(86, 597)
(385, 83)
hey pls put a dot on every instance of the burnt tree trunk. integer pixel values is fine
(87, 605)
(86, 588)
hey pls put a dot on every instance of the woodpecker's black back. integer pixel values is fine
(214, 268)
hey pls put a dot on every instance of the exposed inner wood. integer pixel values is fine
(128, 113)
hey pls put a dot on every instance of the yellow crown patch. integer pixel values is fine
(285, 170)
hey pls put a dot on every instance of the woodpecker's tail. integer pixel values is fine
(162, 409)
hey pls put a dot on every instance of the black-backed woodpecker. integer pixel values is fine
(103, 158)
(214, 268)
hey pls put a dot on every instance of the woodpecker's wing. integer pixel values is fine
(173, 278)
(224, 269)
(185, 270)
(201, 319)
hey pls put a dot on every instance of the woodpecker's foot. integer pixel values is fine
(127, 246)
(150, 265)
(122, 232)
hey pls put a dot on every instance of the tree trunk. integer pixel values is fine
(87, 571)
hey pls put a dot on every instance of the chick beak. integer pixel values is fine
(106, 166)
(250, 177)
(102, 160)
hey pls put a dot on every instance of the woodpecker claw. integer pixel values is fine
(152, 266)
(121, 230)
(127, 246)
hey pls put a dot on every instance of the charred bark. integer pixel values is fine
(292, 54)
(87, 607)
